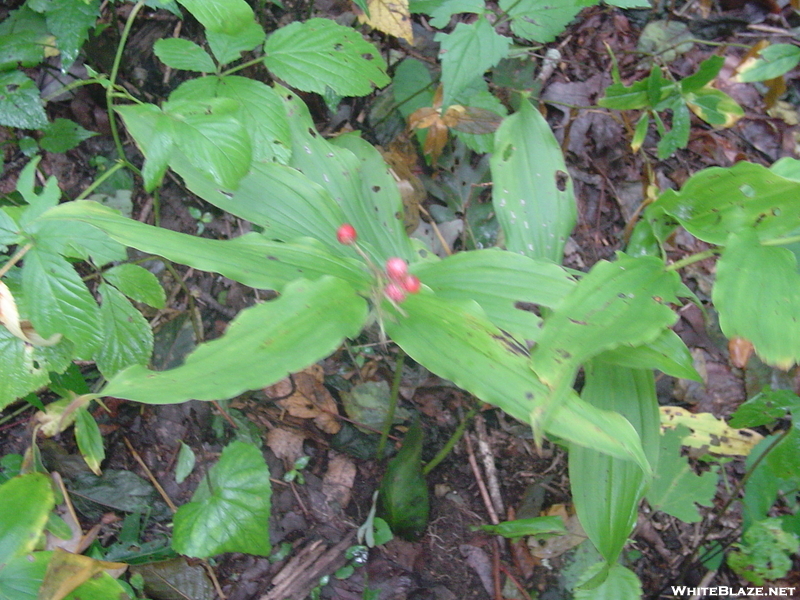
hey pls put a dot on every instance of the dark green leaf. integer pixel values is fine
(706, 73)
(20, 105)
(137, 283)
(765, 408)
(70, 21)
(90, 441)
(62, 135)
(127, 337)
(540, 20)
(23, 39)
(678, 136)
(20, 372)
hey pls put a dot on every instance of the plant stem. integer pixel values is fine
(112, 121)
(15, 259)
(244, 65)
(97, 182)
(387, 422)
(450, 442)
(685, 262)
(781, 241)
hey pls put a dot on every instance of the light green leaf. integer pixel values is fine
(23, 39)
(137, 283)
(756, 294)
(9, 230)
(773, 61)
(620, 584)
(524, 527)
(260, 111)
(90, 441)
(154, 135)
(25, 502)
(249, 259)
(668, 39)
(70, 22)
(225, 16)
(467, 53)
(76, 240)
(621, 97)
(541, 20)
(57, 301)
(457, 342)
(642, 126)
(183, 54)
(714, 107)
(62, 135)
(20, 105)
(127, 337)
(22, 576)
(676, 488)
(261, 346)
(624, 3)
(705, 74)
(716, 202)
(607, 490)
(509, 287)
(228, 47)
(20, 372)
(667, 353)
(38, 203)
(533, 196)
(230, 509)
(787, 167)
(678, 136)
(185, 463)
(440, 16)
(320, 53)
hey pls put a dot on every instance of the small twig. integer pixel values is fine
(479, 479)
(516, 583)
(213, 577)
(707, 578)
(445, 245)
(299, 500)
(224, 414)
(498, 588)
(150, 475)
(485, 452)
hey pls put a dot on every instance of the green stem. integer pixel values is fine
(685, 262)
(451, 442)
(244, 65)
(781, 241)
(97, 182)
(112, 121)
(387, 422)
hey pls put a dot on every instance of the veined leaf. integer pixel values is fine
(773, 61)
(228, 47)
(618, 583)
(225, 16)
(320, 54)
(154, 135)
(607, 490)
(250, 259)
(23, 39)
(457, 342)
(70, 22)
(705, 74)
(666, 353)
(25, 502)
(533, 194)
(757, 295)
(90, 441)
(467, 53)
(261, 346)
(508, 286)
(57, 301)
(441, 15)
(230, 508)
(541, 20)
(19, 371)
(127, 337)
(183, 54)
(137, 283)
(714, 107)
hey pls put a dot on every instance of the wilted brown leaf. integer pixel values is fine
(389, 16)
(309, 399)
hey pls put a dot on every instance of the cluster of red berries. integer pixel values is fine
(400, 280)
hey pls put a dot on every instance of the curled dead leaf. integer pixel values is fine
(740, 351)
(308, 399)
(470, 119)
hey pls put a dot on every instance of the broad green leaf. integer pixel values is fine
(622, 97)
(62, 135)
(787, 167)
(262, 345)
(90, 441)
(766, 552)
(533, 195)
(525, 527)
(20, 372)
(540, 20)
(20, 105)
(678, 136)
(457, 342)
(230, 509)
(403, 499)
(137, 283)
(70, 22)
(9, 230)
(508, 287)
(249, 259)
(757, 294)
(440, 16)
(57, 301)
(260, 111)
(773, 61)
(356, 176)
(667, 353)
(676, 488)
(716, 202)
(478, 95)
(25, 502)
(37, 203)
(22, 576)
(183, 54)
(705, 74)
(620, 584)
(127, 337)
(467, 53)
(225, 16)
(154, 135)
(411, 86)
(185, 463)
(76, 240)
(320, 54)
(764, 408)
(228, 47)
(23, 39)
(607, 490)
(714, 107)
(666, 38)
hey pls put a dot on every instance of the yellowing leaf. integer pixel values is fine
(709, 432)
(66, 571)
(389, 16)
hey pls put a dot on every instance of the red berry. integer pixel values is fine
(346, 234)
(411, 284)
(394, 293)
(396, 269)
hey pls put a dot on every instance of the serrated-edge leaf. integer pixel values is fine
(533, 195)
(183, 54)
(20, 372)
(541, 20)
(127, 336)
(320, 54)
(229, 47)
(231, 516)
(70, 22)
(226, 16)
(261, 346)
(137, 283)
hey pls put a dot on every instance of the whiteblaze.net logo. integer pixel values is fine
(732, 592)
